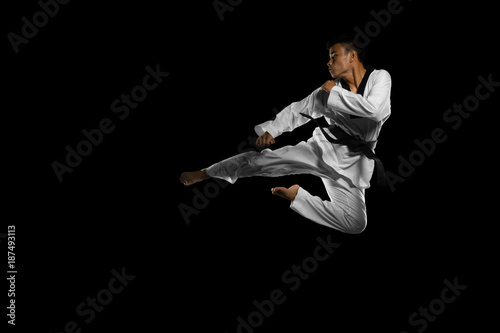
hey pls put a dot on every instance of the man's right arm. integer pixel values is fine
(290, 118)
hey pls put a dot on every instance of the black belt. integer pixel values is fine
(354, 145)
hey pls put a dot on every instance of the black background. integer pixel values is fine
(120, 206)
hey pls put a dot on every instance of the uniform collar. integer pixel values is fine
(362, 85)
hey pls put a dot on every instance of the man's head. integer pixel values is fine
(344, 54)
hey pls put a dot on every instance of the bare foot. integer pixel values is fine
(190, 178)
(287, 193)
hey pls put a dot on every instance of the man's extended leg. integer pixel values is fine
(288, 160)
(268, 163)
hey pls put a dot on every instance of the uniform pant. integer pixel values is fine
(346, 209)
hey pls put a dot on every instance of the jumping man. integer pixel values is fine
(356, 103)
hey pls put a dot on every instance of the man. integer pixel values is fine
(356, 103)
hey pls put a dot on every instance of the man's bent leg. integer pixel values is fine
(346, 210)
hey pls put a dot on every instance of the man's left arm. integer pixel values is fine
(375, 105)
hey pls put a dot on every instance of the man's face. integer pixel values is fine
(339, 62)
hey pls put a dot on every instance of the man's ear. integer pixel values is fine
(352, 55)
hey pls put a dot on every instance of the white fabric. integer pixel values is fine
(344, 174)
(346, 209)
(373, 109)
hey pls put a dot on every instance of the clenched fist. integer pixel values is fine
(265, 140)
(328, 85)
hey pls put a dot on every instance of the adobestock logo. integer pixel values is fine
(95, 136)
(453, 118)
(425, 315)
(93, 305)
(373, 28)
(30, 29)
(292, 279)
(225, 6)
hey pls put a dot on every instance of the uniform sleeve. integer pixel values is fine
(375, 105)
(289, 118)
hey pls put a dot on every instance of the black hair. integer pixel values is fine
(347, 41)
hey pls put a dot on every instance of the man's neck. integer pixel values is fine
(354, 77)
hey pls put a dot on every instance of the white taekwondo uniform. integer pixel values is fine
(345, 174)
